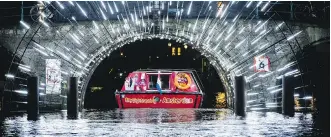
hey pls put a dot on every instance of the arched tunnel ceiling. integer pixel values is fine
(227, 35)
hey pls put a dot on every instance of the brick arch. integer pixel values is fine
(209, 55)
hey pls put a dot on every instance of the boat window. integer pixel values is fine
(164, 82)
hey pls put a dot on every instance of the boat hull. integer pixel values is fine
(157, 100)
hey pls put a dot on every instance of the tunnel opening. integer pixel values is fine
(110, 75)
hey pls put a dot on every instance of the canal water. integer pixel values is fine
(161, 122)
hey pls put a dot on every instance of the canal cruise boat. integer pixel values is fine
(161, 89)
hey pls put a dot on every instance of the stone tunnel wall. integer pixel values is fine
(228, 59)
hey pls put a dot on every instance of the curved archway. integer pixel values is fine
(214, 61)
(150, 54)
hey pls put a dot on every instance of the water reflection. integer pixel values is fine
(161, 122)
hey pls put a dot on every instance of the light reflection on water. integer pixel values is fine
(161, 122)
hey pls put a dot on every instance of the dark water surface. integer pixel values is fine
(161, 122)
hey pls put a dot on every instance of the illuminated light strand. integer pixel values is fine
(265, 6)
(301, 87)
(279, 77)
(258, 108)
(255, 86)
(263, 46)
(219, 36)
(82, 10)
(63, 96)
(77, 61)
(240, 43)
(224, 11)
(63, 55)
(103, 15)
(251, 94)
(227, 46)
(21, 91)
(162, 5)
(75, 36)
(25, 25)
(77, 65)
(204, 25)
(44, 23)
(230, 29)
(144, 11)
(273, 106)
(258, 4)
(111, 10)
(9, 76)
(279, 25)
(293, 36)
(261, 26)
(227, 37)
(249, 77)
(242, 30)
(249, 4)
(276, 90)
(81, 33)
(45, 54)
(115, 6)
(103, 5)
(95, 25)
(262, 32)
(254, 105)
(265, 75)
(273, 87)
(39, 46)
(257, 23)
(75, 39)
(81, 57)
(250, 101)
(163, 24)
(65, 73)
(287, 66)
(307, 97)
(235, 18)
(83, 54)
(297, 75)
(24, 68)
(292, 72)
(257, 39)
(60, 5)
(245, 53)
(71, 3)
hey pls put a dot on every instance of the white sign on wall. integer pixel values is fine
(261, 64)
(53, 76)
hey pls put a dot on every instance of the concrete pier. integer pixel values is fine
(33, 98)
(287, 97)
(72, 98)
(240, 96)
